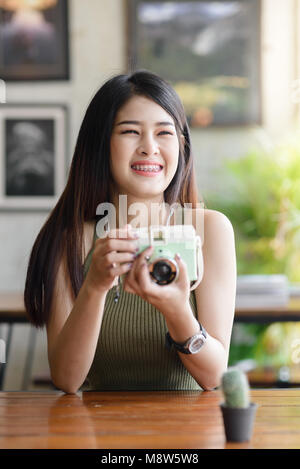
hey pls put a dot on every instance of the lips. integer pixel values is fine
(149, 169)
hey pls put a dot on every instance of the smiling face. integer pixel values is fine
(144, 149)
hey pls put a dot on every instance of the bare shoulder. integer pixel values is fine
(211, 223)
(217, 220)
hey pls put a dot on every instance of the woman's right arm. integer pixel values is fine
(74, 325)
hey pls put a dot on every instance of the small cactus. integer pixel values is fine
(235, 388)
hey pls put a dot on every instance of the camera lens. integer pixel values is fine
(163, 272)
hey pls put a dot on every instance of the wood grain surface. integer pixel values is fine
(169, 420)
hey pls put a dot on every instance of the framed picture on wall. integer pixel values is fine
(32, 155)
(34, 40)
(208, 50)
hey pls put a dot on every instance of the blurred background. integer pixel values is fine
(236, 67)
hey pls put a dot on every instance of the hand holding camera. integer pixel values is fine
(168, 267)
(112, 257)
(166, 242)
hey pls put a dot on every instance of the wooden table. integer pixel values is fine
(168, 420)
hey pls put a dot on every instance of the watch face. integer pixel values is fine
(196, 344)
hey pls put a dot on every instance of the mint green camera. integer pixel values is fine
(167, 241)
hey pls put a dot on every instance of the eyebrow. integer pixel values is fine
(139, 123)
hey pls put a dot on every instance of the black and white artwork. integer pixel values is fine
(29, 156)
(32, 155)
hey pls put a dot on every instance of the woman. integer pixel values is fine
(132, 121)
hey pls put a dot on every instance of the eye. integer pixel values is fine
(165, 132)
(130, 131)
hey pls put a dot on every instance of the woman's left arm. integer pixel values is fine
(215, 297)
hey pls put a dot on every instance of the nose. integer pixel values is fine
(148, 146)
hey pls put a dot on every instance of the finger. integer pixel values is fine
(145, 282)
(120, 245)
(119, 257)
(144, 256)
(141, 271)
(117, 270)
(132, 278)
(183, 278)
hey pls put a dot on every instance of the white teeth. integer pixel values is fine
(146, 168)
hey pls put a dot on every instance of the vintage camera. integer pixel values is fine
(167, 241)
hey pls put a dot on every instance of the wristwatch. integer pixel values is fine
(192, 345)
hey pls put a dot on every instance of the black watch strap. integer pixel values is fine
(182, 347)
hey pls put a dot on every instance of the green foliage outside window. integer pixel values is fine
(262, 201)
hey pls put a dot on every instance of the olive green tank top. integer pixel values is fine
(131, 352)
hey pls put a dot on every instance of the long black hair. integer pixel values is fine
(88, 186)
